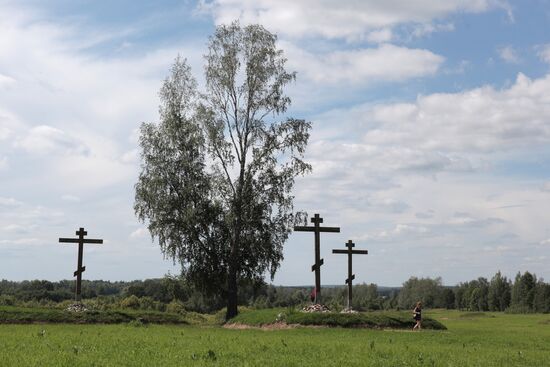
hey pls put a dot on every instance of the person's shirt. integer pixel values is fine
(417, 311)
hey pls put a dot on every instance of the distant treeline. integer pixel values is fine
(525, 294)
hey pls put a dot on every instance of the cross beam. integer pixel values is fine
(351, 276)
(80, 269)
(317, 229)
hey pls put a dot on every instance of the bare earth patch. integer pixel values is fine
(274, 326)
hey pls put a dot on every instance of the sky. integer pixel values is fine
(430, 143)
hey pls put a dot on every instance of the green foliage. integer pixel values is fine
(395, 320)
(366, 297)
(7, 300)
(420, 289)
(130, 302)
(176, 307)
(541, 300)
(499, 296)
(31, 315)
(218, 171)
(157, 294)
(523, 290)
(448, 298)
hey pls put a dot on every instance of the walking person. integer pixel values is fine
(417, 315)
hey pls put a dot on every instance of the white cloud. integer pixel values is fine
(530, 260)
(77, 109)
(20, 242)
(9, 124)
(405, 162)
(383, 35)
(3, 163)
(346, 19)
(44, 140)
(432, 160)
(70, 198)
(425, 29)
(15, 228)
(363, 66)
(130, 157)
(89, 173)
(460, 219)
(9, 202)
(4, 133)
(425, 215)
(23, 224)
(474, 121)
(411, 175)
(139, 233)
(509, 54)
(399, 232)
(5, 80)
(544, 53)
(545, 242)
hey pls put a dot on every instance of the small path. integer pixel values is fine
(274, 326)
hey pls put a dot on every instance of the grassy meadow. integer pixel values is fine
(471, 339)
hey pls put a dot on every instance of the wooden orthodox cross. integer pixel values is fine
(81, 241)
(351, 276)
(317, 229)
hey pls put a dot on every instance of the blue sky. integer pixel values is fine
(430, 146)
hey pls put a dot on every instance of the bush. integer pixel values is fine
(101, 303)
(147, 303)
(176, 307)
(6, 300)
(63, 305)
(130, 302)
(261, 302)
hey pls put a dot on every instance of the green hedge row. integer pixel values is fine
(20, 315)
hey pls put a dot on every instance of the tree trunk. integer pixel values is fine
(232, 310)
(232, 291)
(234, 257)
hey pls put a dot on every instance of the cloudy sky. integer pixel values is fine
(430, 142)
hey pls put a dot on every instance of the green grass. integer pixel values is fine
(22, 315)
(482, 340)
(392, 320)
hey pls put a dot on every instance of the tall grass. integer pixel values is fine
(484, 340)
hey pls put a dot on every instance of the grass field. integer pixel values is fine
(472, 339)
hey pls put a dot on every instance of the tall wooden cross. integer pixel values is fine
(351, 276)
(78, 273)
(317, 229)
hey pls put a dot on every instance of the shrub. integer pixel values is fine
(176, 307)
(130, 302)
(146, 303)
(7, 300)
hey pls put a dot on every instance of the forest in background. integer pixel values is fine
(525, 294)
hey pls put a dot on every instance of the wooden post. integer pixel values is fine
(350, 245)
(80, 269)
(317, 229)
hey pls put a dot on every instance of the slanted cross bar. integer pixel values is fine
(80, 269)
(351, 276)
(317, 229)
